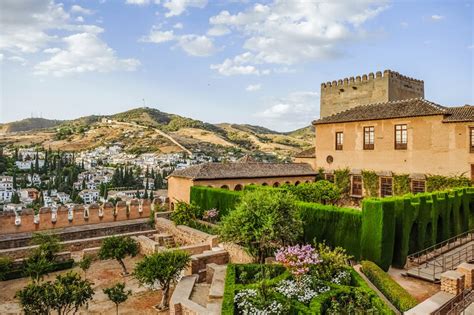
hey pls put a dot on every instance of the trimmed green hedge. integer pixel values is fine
(208, 198)
(334, 225)
(20, 272)
(318, 305)
(399, 297)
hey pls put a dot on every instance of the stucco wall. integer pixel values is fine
(433, 147)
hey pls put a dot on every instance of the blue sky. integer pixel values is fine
(223, 61)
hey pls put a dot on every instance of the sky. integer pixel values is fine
(256, 62)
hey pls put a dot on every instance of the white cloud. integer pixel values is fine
(80, 10)
(85, 52)
(470, 46)
(296, 110)
(1, 57)
(178, 26)
(404, 24)
(18, 59)
(242, 64)
(218, 30)
(138, 2)
(80, 19)
(253, 87)
(177, 7)
(196, 45)
(157, 36)
(193, 45)
(437, 17)
(289, 32)
(53, 50)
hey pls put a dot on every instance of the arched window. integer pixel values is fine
(264, 184)
(225, 187)
(297, 183)
(288, 183)
(210, 186)
(307, 181)
(276, 184)
(238, 187)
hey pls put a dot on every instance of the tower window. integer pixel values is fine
(369, 138)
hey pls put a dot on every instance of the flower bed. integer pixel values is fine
(271, 289)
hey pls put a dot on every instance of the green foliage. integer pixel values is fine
(438, 182)
(85, 263)
(321, 192)
(65, 295)
(399, 297)
(334, 225)
(20, 272)
(371, 183)
(185, 213)
(209, 198)
(333, 261)
(117, 294)
(342, 179)
(118, 247)
(48, 244)
(401, 184)
(5, 266)
(378, 231)
(162, 268)
(36, 266)
(262, 221)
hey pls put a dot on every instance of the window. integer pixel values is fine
(401, 137)
(386, 186)
(330, 178)
(417, 186)
(339, 140)
(471, 139)
(356, 185)
(369, 137)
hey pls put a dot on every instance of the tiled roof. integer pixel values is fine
(244, 170)
(395, 109)
(246, 159)
(460, 114)
(308, 153)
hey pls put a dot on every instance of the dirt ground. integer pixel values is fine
(103, 274)
(419, 289)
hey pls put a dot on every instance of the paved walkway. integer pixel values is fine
(432, 270)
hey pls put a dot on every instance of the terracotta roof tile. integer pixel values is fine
(396, 109)
(460, 114)
(244, 170)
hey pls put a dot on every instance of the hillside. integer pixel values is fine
(143, 130)
(28, 124)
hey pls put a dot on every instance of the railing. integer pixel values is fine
(456, 305)
(446, 262)
(436, 250)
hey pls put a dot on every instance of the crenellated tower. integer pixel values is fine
(338, 96)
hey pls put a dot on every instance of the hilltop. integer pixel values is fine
(151, 130)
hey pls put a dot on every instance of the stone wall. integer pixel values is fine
(48, 219)
(237, 254)
(184, 235)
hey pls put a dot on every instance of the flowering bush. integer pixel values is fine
(298, 259)
(211, 215)
(300, 290)
(249, 302)
(342, 277)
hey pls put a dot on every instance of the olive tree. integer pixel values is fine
(118, 247)
(162, 268)
(85, 264)
(263, 221)
(117, 294)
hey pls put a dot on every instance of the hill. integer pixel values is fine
(28, 124)
(146, 129)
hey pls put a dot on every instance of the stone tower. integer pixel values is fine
(338, 96)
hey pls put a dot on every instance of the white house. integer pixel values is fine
(89, 195)
(34, 180)
(63, 197)
(26, 165)
(6, 195)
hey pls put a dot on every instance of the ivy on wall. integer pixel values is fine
(438, 182)
(401, 184)
(371, 183)
(342, 179)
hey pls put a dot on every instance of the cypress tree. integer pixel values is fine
(14, 178)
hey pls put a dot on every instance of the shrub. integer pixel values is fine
(118, 247)
(321, 191)
(438, 182)
(263, 221)
(342, 179)
(333, 261)
(399, 297)
(185, 213)
(5, 266)
(371, 183)
(401, 184)
(221, 199)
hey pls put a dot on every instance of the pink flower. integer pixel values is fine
(297, 258)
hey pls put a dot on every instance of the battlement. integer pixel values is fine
(48, 218)
(340, 95)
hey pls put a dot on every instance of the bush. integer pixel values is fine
(20, 272)
(215, 198)
(185, 214)
(321, 191)
(438, 182)
(399, 297)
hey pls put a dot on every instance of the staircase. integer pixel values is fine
(165, 240)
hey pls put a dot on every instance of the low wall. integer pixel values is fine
(237, 254)
(183, 234)
(78, 232)
(47, 219)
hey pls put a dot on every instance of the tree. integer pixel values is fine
(5, 266)
(118, 247)
(163, 268)
(14, 178)
(48, 245)
(35, 298)
(117, 294)
(40, 261)
(85, 264)
(36, 266)
(263, 221)
(15, 198)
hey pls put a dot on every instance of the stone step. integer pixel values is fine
(216, 291)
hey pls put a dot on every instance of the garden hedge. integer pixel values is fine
(20, 272)
(334, 225)
(397, 295)
(208, 198)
